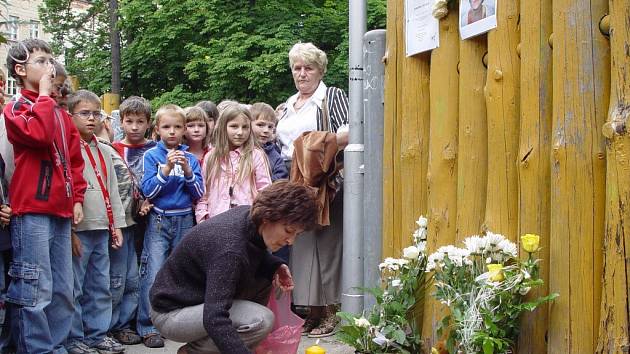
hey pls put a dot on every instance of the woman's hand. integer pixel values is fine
(342, 140)
(283, 279)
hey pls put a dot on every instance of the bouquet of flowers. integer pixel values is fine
(484, 285)
(389, 327)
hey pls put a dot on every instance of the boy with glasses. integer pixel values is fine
(104, 217)
(46, 199)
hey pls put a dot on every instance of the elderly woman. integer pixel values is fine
(212, 290)
(316, 257)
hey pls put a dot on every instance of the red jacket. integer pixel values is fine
(45, 144)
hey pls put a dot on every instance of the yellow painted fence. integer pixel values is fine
(521, 130)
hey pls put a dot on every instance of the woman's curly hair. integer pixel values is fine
(287, 202)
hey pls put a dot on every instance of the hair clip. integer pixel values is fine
(20, 61)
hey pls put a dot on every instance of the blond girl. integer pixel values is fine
(235, 170)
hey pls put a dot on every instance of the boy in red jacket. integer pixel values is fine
(46, 197)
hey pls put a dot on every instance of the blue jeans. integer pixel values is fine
(41, 283)
(5, 323)
(162, 235)
(123, 272)
(92, 299)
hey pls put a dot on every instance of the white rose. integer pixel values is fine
(361, 322)
(411, 252)
(422, 222)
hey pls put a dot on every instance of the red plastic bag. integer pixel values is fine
(287, 327)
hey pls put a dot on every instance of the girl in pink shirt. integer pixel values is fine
(234, 168)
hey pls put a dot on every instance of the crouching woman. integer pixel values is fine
(212, 290)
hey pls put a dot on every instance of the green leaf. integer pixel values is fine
(488, 346)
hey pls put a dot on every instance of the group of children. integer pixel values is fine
(78, 206)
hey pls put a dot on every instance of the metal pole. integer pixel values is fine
(373, 107)
(352, 263)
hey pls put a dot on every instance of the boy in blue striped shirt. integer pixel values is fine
(172, 182)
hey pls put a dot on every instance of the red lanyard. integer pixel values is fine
(108, 204)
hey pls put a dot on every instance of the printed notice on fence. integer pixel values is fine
(421, 28)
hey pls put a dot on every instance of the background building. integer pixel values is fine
(20, 20)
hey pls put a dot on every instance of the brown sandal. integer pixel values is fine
(309, 325)
(326, 326)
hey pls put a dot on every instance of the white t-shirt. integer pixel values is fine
(294, 123)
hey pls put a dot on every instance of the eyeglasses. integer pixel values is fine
(41, 61)
(87, 114)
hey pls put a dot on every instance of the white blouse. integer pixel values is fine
(294, 123)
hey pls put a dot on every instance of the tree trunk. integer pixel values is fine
(114, 38)
(534, 166)
(614, 324)
(502, 101)
(472, 165)
(580, 97)
(442, 170)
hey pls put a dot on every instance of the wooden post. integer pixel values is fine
(472, 165)
(391, 130)
(580, 99)
(614, 324)
(111, 101)
(414, 142)
(502, 102)
(533, 157)
(442, 171)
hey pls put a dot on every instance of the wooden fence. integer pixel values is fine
(522, 130)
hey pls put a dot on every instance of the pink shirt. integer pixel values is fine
(217, 197)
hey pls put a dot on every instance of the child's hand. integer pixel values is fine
(46, 81)
(117, 239)
(172, 159)
(77, 248)
(5, 215)
(77, 212)
(183, 161)
(145, 208)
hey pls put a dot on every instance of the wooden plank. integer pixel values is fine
(615, 321)
(502, 100)
(390, 110)
(580, 99)
(534, 163)
(472, 165)
(442, 171)
(414, 142)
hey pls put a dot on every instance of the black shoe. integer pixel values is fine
(153, 340)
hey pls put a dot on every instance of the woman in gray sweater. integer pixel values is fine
(212, 290)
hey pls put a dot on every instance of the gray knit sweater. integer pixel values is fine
(217, 260)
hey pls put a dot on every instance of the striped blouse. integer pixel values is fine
(311, 116)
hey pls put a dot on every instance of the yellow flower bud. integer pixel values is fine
(434, 351)
(530, 242)
(496, 272)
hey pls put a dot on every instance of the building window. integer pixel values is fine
(12, 28)
(34, 29)
(12, 87)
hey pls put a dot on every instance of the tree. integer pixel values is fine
(181, 51)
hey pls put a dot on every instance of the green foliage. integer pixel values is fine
(389, 326)
(179, 51)
(484, 286)
(83, 39)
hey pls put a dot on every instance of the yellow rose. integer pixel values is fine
(530, 242)
(496, 272)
